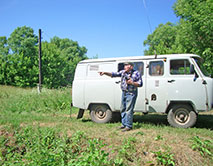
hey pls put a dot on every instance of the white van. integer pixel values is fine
(174, 84)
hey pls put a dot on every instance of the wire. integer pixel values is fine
(147, 15)
(45, 34)
(150, 27)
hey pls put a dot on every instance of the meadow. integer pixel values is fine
(40, 129)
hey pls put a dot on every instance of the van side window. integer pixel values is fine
(139, 66)
(156, 68)
(180, 67)
(120, 66)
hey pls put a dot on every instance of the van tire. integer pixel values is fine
(182, 116)
(100, 113)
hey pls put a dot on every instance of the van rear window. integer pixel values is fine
(139, 66)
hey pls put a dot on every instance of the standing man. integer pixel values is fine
(130, 81)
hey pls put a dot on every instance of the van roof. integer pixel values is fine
(137, 58)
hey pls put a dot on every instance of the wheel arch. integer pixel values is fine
(92, 104)
(173, 103)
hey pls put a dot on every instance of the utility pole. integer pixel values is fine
(39, 61)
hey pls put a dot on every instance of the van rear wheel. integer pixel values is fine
(182, 116)
(100, 114)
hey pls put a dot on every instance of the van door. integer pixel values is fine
(156, 85)
(140, 102)
(184, 86)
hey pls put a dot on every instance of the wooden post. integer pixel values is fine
(39, 59)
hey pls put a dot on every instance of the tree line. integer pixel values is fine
(19, 53)
(192, 34)
(19, 59)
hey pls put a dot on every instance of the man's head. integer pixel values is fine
(128, 66)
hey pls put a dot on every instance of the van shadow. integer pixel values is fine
(203, 121)
(157, 120)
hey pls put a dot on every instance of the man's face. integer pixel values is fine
(128, 68)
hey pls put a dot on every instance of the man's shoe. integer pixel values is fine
(121, 127)
(126, 129)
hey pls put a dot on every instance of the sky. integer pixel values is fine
(107, 28)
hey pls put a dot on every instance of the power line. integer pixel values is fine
(47, 35)
(147, 15)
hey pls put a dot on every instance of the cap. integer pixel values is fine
(129, 63)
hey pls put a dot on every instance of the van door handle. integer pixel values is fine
(170, 81)
(117, 82)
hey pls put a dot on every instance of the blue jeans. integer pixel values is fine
(127, 106)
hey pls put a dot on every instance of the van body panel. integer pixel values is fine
(78, 87)
(158, 90)
(99, 89)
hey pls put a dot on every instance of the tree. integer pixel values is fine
(162, 40)
(196, 24)
(52, 66)
(59, 60)
(19, 59)
(71, 53)
(23, 57)
(3, 59)
(193, 33)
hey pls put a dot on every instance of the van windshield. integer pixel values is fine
(200, 64)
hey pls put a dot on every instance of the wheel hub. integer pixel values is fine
(100, 114)
(182, 116)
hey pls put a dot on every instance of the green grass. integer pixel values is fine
(36, 129)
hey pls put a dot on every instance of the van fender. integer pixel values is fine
(108, 105)
(176, 102)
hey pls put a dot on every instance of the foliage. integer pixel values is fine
(30, 101)
(128, 149)
(93, 155)
(37, 130)
(192, 34)
(164, 158)
(45, 146)
(52, 66)
(162, 39)
(203, 146)
(19, 60)
(71, 53)
(158, 137)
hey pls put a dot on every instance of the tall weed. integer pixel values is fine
(28, 100)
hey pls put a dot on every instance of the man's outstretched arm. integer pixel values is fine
(106, 73)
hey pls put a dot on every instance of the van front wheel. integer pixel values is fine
(100, 114)
(182, 116)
